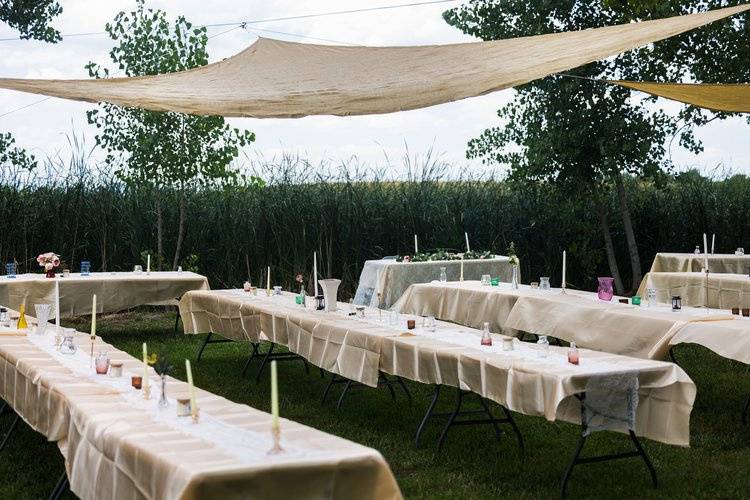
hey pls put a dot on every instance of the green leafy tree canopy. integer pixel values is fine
(32, 18)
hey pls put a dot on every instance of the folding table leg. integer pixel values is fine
(427, 415)
(60, 488)
(254, 353)
(746, 411)
(10, 431)
(203, 346)
(177, 321)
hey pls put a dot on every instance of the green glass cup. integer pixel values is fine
(298, 299)
(495, 281)
(635, 300)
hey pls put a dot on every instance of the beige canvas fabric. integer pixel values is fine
(119, 447)
(730, 339)
(114, 291)
(733, 98)
(272, 78)
(450, 356)
(637, 331)
(690, 262)
(717, 290)
(391, 279)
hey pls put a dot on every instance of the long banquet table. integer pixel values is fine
(666, 262)
(118, 445)
(115, 291)
(639, 331)
(717, 290)
(519, 380)
(390, 279)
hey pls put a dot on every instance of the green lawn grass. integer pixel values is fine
(472, 464)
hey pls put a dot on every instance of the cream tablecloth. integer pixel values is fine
(719, 291)
(687, 262)
(118, 445)
(114, 291)
(391, 278)
(612, 327)
(359, 348)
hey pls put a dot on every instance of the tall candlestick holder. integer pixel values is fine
(93, 338)
(562, 290)
(146, 391)
(705, 291)
(276, 436)
(195, 413)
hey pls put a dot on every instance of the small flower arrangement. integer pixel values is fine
(49, 261)
(440, 255)
(161, 364)
(512, 254)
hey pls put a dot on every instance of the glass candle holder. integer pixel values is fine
(486, 337)
(635, 300)
(507, 344)
(443, 275)
(137, 382)
(606, 288)
(68, 345)
(543, 346)
(676, 303)
(101, 363)
(486, 280)
(137, 269)
(85, 268)
(573, 354)
(66, 273)
(277, 290)
(183, 407)
(115, 369)
(544, 283)
(745, 312)
(411, 324)
(534, 285)
(246, 286)
(10, 270)
(495, 282)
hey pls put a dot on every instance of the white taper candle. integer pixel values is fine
(93, 316)
(315, 274)
(565, 259)
(713, 240)
(468, 248)
(416, 245)
(57, 303)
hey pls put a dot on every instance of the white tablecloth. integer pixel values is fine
(114, 291)
(391, 279)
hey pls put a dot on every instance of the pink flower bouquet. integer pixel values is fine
(49, 261)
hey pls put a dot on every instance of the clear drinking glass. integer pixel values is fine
(137, 269)
(543, 345)
(430, 324)
(544, 283)
(739, 251)
(42, 315)
(68, 345)
(486, 279)
(651, 297)
(486, 337)
(85, 268)
(443, 275)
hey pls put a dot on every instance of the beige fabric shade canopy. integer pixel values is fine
(731, 98)
(277, 79)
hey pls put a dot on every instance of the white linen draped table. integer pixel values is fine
(666, 262)
(391, 279)
(118, 445)
(717, 290)
(359, 349)
(638, 331)
(114, 291)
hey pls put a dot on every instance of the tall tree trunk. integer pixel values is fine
(635, 259)
(609, 247)
(180, 230)
(159, 229)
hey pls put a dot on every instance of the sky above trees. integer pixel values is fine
(447, 128)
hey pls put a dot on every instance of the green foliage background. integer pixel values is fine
(348, 220)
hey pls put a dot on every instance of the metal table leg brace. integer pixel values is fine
(453, 418)
(639, 452)
(209, 341)
(383, 381)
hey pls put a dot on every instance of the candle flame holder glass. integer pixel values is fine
(102, 363)
(544, 283)
(68, 345)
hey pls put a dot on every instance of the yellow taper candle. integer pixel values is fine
(268, 280)
(193, 403)
(145, 366)
(274, 396)
(93, 316)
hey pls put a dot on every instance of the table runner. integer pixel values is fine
(639, 331)
(118, 445)
(115, 291)
(692, 262)
(452, 356)
(391, 278)
(719, 291)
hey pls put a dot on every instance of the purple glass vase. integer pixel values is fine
(605, 290)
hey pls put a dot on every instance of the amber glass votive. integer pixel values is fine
(623, 301)
(745, 312)
(136, 381)
(411, 324)
(736, 310)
